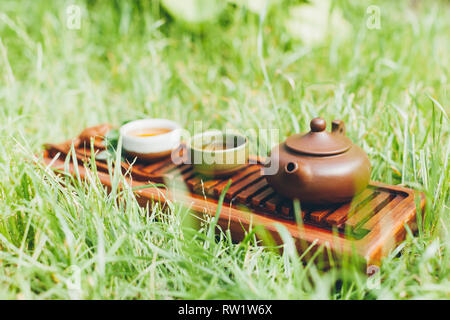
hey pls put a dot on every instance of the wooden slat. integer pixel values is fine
(193, 182)
(150, 168)
(206, 186)
(345, 211)
(177, 171)
(376, 219)
(287, 209)
(272, 204)
(84, 152)
(137, 166)
(319, 215)
(372, 206)
(217, 190)
(198, 183)
(165, 169)
(188, 174)
(184, 168)
(261, 197)
(237, 187)
(254, 189)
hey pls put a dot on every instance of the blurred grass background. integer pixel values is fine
(231, 64)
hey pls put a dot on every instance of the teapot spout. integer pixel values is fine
(298, 171)
(291, 168)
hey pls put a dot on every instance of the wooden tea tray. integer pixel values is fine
(370, 226)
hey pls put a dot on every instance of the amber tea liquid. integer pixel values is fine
(149, 132)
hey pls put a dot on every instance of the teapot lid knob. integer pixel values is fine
(319, 142)
(318, 125)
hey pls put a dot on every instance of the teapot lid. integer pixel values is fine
(318, 141)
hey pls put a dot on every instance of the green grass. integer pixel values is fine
(64, 238)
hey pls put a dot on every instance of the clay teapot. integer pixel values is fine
(319, 167)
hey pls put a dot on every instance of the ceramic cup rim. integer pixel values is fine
(154, 144)
(142, 124)
(211, 133)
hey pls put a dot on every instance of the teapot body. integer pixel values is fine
(320, 180)
(319, 167)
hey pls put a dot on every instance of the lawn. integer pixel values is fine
(244, 68)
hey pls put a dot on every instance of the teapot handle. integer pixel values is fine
(338, 126)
